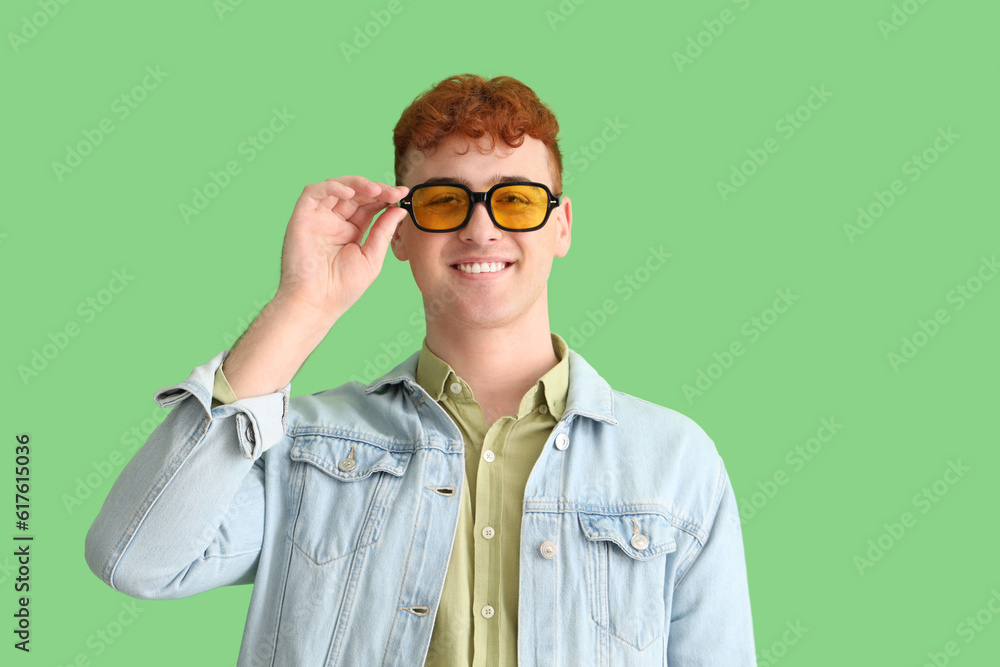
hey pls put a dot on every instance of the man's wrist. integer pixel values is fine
(272, 350)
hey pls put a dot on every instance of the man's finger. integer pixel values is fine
(377, 243)
(391, 193)
(330, 187)
(315, 193)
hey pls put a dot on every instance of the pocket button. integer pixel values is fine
(640, 541)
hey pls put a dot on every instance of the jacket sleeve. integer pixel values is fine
(711, 623)
(186, 514)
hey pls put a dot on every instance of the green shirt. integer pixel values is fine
(476, 622)
(484, 569)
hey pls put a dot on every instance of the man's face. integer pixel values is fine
(494, 299)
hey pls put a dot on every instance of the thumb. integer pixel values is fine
(380, 235)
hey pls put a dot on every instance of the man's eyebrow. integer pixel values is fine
(496, 178)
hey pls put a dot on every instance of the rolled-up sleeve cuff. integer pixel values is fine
(222, 392)
(260, 421)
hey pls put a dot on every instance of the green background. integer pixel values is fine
(682, 127)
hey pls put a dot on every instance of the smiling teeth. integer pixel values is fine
(482, 267)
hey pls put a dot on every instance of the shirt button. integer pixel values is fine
(249, 434)
(488, 533)
(487, 612)
(640, 541)
(548, 549)
(562, 441)
(543, 409)
(489, 455)
(456, 388)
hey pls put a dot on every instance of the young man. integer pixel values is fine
(489, 501)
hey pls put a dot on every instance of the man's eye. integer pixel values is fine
(512, 199)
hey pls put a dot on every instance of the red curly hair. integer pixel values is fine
(468, 104)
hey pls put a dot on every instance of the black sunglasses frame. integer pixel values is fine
(476, 198)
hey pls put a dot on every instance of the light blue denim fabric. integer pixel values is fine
(341, 508)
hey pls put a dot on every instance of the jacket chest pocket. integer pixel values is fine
(626, 573)
(344, 490)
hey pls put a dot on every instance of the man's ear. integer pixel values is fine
(398, 248)
(564, 222)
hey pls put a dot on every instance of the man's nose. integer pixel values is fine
(480, 228)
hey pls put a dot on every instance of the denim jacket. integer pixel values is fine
(341, 508)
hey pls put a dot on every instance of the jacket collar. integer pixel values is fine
(589, 394)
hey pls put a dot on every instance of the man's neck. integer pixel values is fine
(499, 364)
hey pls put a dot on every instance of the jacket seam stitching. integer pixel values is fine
(288, 567)
(699, 545)
(402, 583)
(154, 495)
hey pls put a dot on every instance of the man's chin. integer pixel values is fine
(474, 314)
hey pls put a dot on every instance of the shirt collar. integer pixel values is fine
(439, 379)
(433, 372)
(555, 383)
(586, 392)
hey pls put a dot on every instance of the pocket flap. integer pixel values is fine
(334, 455)
(621, 529)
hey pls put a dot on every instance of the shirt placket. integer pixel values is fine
(488, 536)
(486, 474)
(481, 584)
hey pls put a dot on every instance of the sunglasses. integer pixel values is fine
(519, 206)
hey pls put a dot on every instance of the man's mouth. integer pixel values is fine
(482, 267)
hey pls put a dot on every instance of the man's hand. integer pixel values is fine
(324, 267)
(324, 270)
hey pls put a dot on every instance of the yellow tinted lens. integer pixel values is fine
(520, 206)
(440, 206)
